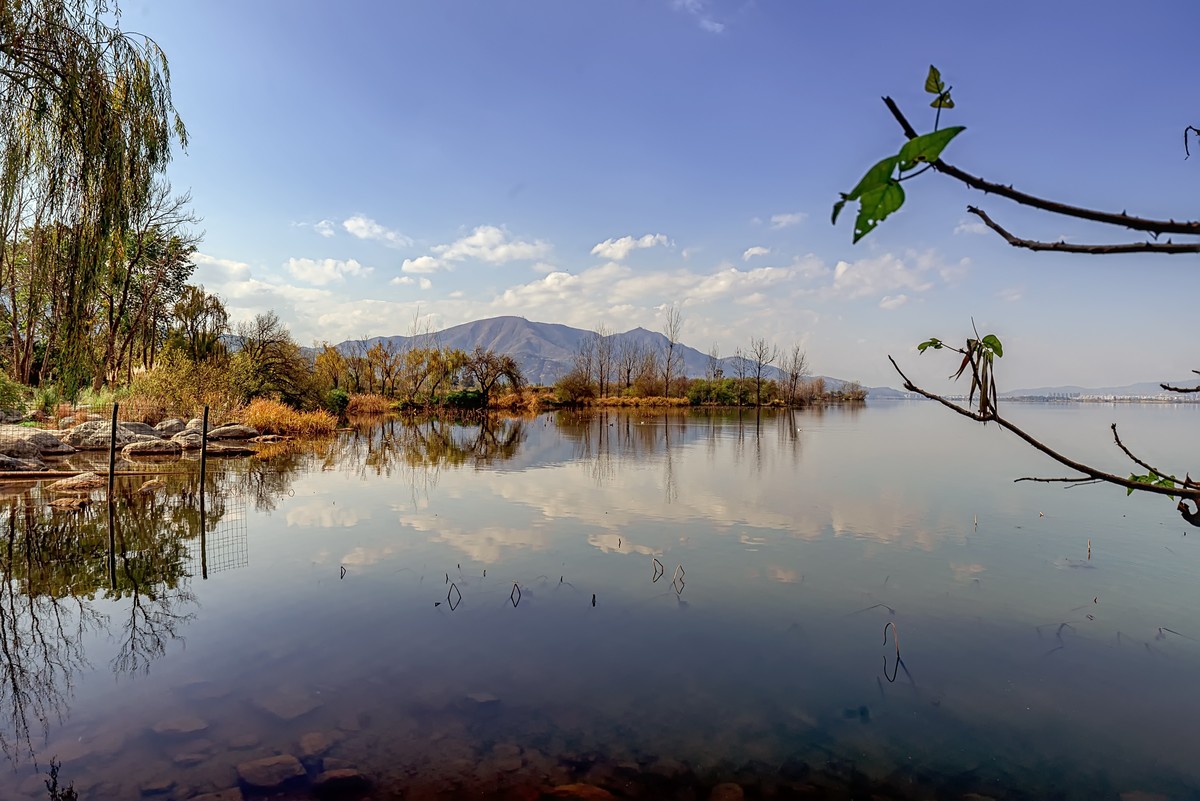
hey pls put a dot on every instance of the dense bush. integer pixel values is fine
(574, 387)
(336, 401)
(11, 395)
(464, 399)
(178, 386)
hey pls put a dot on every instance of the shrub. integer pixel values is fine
(574, 387)
(336, 401)
(464, 399)
(367, 403)
(178, 386)
(11, 395)
(273, 417)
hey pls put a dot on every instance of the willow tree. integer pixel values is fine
(86, 123)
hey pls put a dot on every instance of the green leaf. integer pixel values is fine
(876, 177)
(942, 101)
(932, 342)
(926, 147)
(933, 83)
(875, 206)
(993, 342)
(837, 208)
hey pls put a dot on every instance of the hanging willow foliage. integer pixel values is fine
(86, 124)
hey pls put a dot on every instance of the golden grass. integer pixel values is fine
(367, 403)
(273, 417)
(652, 401)
(531, 401)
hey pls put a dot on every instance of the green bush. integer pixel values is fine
(464, 399)
(336, 401)
(11, 395)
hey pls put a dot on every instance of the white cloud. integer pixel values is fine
(491, 244)
(324, 228)
(1011, 294)
(893, 301)
(366, 228)
(543, 267)
(424, 283)
(787, 220)
(699, 10)
(882, 275)
(325, 271)
(970, 227)
(403, 280)
(423, 264)
(219, 268)
(619, 249)
(757, 250)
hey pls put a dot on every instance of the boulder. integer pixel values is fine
(232, 794)
(83, 482)
(19, 449)
(189, 439)
(140, 428)
(340, 783)
(152, 447)
(8, 463)
(97, 434)
(183, 725)
(314, 744)
(232, 431)
(46, 443)
(271, 773)
(170, 427)
(230, 450)
(195, 424)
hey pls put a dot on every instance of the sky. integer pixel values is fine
(366, 167)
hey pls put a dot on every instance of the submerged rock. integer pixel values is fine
(230, 450)
(271, 773)
(232, 431)
(182, 725)
(9, 463)
(232, 794)
(152, 447)
(727, 792)
(189, 440)
(314, 744)
(587, 792)
(340, 783)
(80, 483)
(287, 704)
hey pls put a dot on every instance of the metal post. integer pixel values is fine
(112, 466)
(203, 478)
(112, 452)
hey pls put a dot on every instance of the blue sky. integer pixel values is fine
(361, 163)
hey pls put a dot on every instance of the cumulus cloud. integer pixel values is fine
(757, 250)
(893, 301)
(619, 249)
(493, 245)
(325, 271)
(787, 220)
(883, 275)
(970, 227)
(366, 228)
(324, 228)
(215, 268)
(1011, 294)
(423, 264)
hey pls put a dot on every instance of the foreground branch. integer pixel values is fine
(1155, 227)
(1095, 250)
(1170, 388)
(1189, 492)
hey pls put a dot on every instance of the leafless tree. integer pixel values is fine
(629, 361)
(762, 355)
(714, 371)
(795, 367)
(605, 359)
(672, 361)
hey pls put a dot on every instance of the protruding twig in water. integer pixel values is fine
(679, 572)
(896, 640)
(343, 575)
(515, 595)
(885, 580)
(1161, 636)
(485, 572)
(593, 599)
(659, 570)
(1089, 548)
(891, 611)
(618, 542)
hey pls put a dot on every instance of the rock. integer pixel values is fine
(232, 431)
(287, 704)
(195, 424)
(189, 440)
(314, 744)
(727, 792)
(243, 741)
(157, 786)
(340, 782)
(268, 438)
(1142, 795)
(230, 450)
(188, 759)
(152, 486)
(181, 725)
(84, 482)
(170, 427)
(152, 447)
(232, 794)
(97, 435)
(587, 792)
(19, 449)
(46, 443)
(271, 773)
(140, 428)
(9, 463)
(483, 699)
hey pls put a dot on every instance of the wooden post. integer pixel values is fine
(203, 479)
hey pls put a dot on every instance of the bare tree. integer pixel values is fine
(605, 359)
(795, 367)
(714, 371)
(761, 357)
(741, 366)
(629, 361)
(672, 362)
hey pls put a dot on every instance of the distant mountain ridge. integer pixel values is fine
(546, 351)
(1143, 389)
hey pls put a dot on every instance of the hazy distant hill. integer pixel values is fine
(1143, 389)
(545, 350)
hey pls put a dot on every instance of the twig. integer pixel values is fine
(1095, 250)
(1170, 388)
(1109, 218)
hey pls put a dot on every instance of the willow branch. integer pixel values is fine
(1108, 218)
(1192, 493)
(1095, 250)
(1170, 388)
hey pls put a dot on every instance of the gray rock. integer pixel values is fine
(47, 443)
(230, 450)
(287, 704)
(170, 427)
(232, 431)
(189, 439)
(157, 786)
(97, 434)
(140, 428)
(19, 449)
(9, 463)
(232, 794)
(340, 782)
(195, 424)
(155, 447)
(314, 744)
(241, 742)
(271, 773)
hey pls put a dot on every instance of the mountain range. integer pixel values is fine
(546, 351)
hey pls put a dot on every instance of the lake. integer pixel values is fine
(650, 603)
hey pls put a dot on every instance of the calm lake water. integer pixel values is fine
(650, 603)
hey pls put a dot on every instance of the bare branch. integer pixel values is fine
(1071, 481)
(1187, 482)
(1189, 492)
(1095, 250)
(1170, 388)
(1108, 218)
